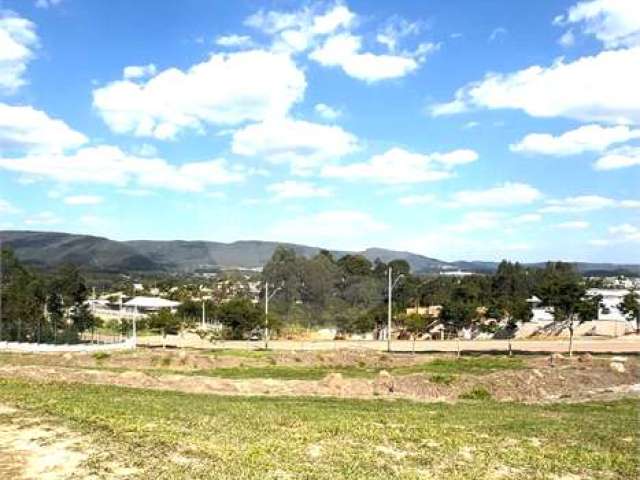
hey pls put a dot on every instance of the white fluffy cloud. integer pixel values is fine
(83, 200)
(345, 51)
(619, 158)
(616, 23)
(327, 112)
(588, 138)
(294, 189)
(303, 144)
(236, 41)
(110, 165)
(574, 225)
(300, 30)
(501, 195)
(586, 203)
(139, 71)
(349, 229)
(18, 39)
(222, 91)
(25, 129)
(600, 88)
(397, 166)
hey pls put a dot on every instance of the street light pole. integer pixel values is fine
(392, 283)
(267, 297)
(266, 315)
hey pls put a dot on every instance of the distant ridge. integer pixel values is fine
(51, 249)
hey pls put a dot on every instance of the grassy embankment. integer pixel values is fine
(173, 435)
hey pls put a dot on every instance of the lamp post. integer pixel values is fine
(392, 283)
(267, 297)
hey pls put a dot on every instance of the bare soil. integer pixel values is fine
(578, 379)
(36, 448)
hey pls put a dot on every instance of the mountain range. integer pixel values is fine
(50, 249)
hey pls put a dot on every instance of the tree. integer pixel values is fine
(240, 316)
(415, 324)
(630, 307)
(165, 323)
(561, 288)
(456, 315)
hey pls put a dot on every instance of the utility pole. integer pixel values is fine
(267, 297)
(203, 313)
(389, 313)
(392, 283)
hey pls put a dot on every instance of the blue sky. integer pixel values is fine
(458, 130)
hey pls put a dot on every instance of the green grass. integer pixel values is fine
(441, 370)
(185, 436)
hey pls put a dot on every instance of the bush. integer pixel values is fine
(101, 355)
(477, 393)
(442, 379)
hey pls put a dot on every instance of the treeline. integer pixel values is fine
(352, 293)
(42, 308)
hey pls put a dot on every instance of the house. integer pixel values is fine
(148, 305)
(540, 314)
(430, 311)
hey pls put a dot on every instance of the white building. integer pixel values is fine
(611, 298)
(147, 305)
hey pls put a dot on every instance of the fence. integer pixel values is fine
(127, 344)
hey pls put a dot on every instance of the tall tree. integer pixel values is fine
(630, 307)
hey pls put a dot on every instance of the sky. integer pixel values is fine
(457, 130)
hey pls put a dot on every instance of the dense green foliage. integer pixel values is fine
(39, 308)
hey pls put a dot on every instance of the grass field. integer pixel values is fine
(174, 435)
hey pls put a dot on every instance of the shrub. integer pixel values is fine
(477, 393)
(442, 378)
(101, 355)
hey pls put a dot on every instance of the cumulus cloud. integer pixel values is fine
(327, 112)
(586, 203)
(236, 41)
(300, 30)
(502, 195)
(588, 138)
(294, 189)
(83, 200)
(220, 91)
(25, 129)
(616, 23)
(345, 51)
(397, 166)
(139, 71)
(303, 144)
(598, 88)
(109, 165)
(18, 39)
(619, 158)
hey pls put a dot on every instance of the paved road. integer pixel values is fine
(629, 344)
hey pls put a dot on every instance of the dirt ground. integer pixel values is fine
(34, 448)
(579, 379)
